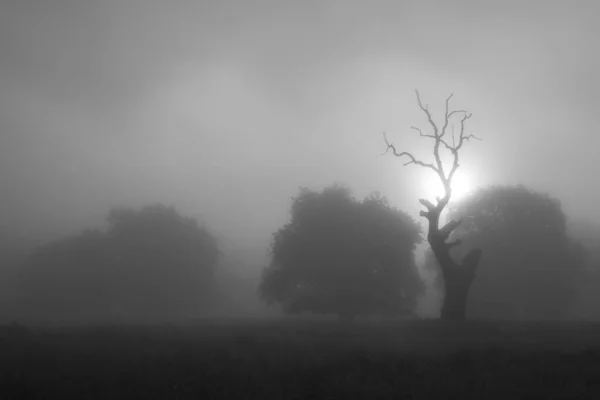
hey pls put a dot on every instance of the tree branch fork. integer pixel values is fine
(438, 237)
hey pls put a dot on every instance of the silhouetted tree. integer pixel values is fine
(586, 305)
(150, 263)
(64, 278)
(458, 276)
(530, 260)
(168, 260)
(13, 253)
(341, 256)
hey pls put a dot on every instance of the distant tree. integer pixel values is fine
(586, 305)
(13, 253)
(237, 279)
(457, 276)
(341, 256)
(588, 233)
(150, 263)
(65, 278)
(530, 261)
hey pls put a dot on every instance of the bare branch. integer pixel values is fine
(449, 115)
(437, 166)
(421, 132)
(449, 227)
(425, 109)
(448, 102)
(471, 136)
(429, 205)
(412, 158)
(446, 115)
(461, 141)
(456, 112)
(454, 243)
(454, 168)
(453, 138)
(438, 136)
(437, 237)
(451, 148)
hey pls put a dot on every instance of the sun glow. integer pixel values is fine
(461, 186)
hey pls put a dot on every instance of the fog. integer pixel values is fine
(224, 109)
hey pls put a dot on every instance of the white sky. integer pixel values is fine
(225, 108)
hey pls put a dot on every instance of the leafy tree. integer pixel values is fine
(167, 258)
(530, 260)
(458, 276)
(586, 306)
(64, 279)
(149, 263)
(341, 256)
(13, 252)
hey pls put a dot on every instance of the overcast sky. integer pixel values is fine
(225, 108)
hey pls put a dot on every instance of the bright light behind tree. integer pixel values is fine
(461, 186)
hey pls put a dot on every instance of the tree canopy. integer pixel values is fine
(148, 263)
(341, 256)
(530, 260)
(588, 232)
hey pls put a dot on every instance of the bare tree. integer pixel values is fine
(457, 276)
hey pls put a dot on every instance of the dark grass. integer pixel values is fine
(303, 360)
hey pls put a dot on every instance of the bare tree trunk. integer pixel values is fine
(457, 277)
(457, 287)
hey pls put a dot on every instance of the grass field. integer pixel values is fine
(303, 359)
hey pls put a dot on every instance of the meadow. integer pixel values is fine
(302, 359)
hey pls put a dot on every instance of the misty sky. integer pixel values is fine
(225, 108)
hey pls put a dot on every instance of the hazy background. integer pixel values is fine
(224, 108)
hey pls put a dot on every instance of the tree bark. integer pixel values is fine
(457, 287)
(458, 277)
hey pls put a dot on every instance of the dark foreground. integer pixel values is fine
(303, 360)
